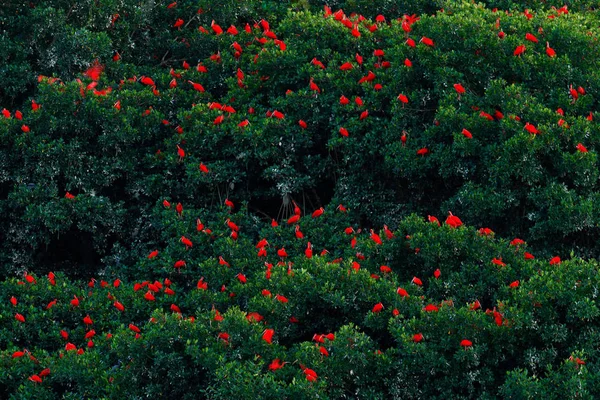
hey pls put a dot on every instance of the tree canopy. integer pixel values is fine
(351, 199)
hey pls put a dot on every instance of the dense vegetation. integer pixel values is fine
(160, 162)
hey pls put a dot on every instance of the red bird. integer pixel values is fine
(453, 221)
(310, 374)
(232, 225)
(517, 242)
(187, 242)
(219, 120)
(308, 252)
(388, 233)
(282, 253)
(240, 73)
(313, 86)
(280, 298)
(179, 264)
(197, 87)
(498, 262)
(18, 354)
(375, 237)
(318, 212)
(223, 262)
(179, 23)
(254, 317)
(147, 81)
(466, 343)
(216, 28)
(94, 71)
(297, 210)
(344, 132)
(475, 305)
(531, 38)
(459, 88)
(426, 41)
(262, 243)
(581, 148)
(519, 50)
(467, 134)
(180, 153)
(531, 129)
(232, 30)
(550, 51)
(276, 364)
(317, 63)
(346, 66)
(573, 93)
(555, 260)
(201, 284)
(268, 335)
(277, 114)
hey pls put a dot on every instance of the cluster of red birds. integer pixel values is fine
(152, 289)
(354, 25)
